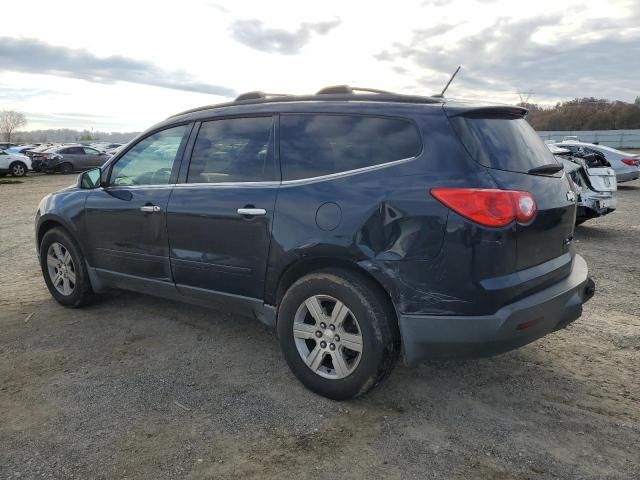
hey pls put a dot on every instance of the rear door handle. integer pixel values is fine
(253, 212)
(150, 209)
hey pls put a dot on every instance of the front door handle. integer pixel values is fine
(253, 212)
(150, 209)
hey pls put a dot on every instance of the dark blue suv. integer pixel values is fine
(360, 225)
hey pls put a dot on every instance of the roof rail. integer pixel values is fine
(335, 93)
(257, 95)
(349, 90)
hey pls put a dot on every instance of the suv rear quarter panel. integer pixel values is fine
(389, 223)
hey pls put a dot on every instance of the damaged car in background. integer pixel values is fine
(594, 179)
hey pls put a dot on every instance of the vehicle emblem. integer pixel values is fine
(571, 196)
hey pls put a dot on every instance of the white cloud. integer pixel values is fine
(297, 48)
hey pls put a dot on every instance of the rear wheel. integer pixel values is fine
(66, 168)
(338, 333)
(18, 169)
(64, 269)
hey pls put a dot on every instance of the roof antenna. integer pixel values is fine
(441, 94)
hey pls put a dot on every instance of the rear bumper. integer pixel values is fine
(514, 325)
(627, 176)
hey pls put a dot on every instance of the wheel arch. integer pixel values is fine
(48, 223)
(22, 162)
(306, 266)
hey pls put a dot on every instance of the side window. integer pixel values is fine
(73, 151)
(91, 151)
(315, 145)
(150, 161)
(233, 150)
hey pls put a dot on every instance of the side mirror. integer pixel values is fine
(90, 179)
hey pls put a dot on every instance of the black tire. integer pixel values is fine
(376, 322)
(18, 169)
(66, 168)
(82, 293)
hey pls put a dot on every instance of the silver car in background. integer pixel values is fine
(594, 181)
(626, 165)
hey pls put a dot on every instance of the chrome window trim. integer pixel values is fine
(137, 187)
(346, 173)
(269, 183)
(301, 181)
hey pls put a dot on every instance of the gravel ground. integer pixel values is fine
(139, 387)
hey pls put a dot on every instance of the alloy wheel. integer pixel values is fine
(17, 170)
(328, 337)
(62, 271)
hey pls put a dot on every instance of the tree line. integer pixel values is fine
(67, 135)
(587, 113)
(11, 121)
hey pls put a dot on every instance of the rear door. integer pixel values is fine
(503, 141)
(219, 219)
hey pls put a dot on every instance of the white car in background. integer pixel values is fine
(593, 179)
(626, 165)
(15, 164)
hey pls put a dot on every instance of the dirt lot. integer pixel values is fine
(138, 387)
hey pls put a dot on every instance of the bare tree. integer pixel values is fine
(10, 121)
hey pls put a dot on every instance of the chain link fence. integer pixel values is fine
(612, 138)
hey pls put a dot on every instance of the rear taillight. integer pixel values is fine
(631, 161)
(488, 207)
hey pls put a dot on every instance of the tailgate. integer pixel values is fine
(503, 141)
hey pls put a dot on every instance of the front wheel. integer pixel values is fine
(64, 269)
(338, 333)
(18, 169)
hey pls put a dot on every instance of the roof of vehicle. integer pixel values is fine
(345, 94)
(333, 93)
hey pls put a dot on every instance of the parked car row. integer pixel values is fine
(67, 158)
(17, 160)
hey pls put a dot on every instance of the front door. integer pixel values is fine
(219, 220)
(126, 219)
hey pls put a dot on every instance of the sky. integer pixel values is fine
(125, 65)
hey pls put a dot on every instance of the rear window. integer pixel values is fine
(503, 143)
(316, 145)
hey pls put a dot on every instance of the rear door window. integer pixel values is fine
(90, 151)
(503, 143)
(234, 150)
(316, 145)
(73, 151)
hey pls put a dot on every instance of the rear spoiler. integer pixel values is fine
(485, 111)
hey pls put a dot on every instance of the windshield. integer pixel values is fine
(507, 143)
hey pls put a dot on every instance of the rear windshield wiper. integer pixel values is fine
(548, 169)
